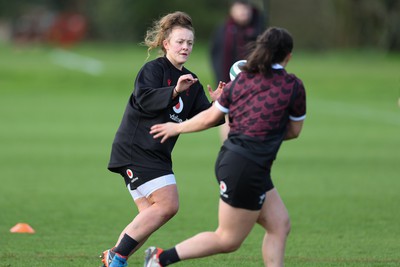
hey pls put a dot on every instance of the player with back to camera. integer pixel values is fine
(266, 105)
(164, 91)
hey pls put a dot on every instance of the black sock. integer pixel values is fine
(168, 257)
(126, 245)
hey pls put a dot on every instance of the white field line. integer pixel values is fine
(357, 111)
(77, 62)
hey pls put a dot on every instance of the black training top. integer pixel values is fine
(151, 103)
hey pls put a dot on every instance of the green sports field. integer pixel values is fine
(58, 112)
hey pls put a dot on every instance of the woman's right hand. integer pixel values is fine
(184, 82)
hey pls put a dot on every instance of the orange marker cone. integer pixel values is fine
(22, 228)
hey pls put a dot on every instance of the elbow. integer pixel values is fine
(293, 129)
(292, 135)
(295, 135)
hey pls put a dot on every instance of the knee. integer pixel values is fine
(173, 210)
(228, 243)
(169, 210)
(280, 226)
(283, 228)
(230, 246)
(286, 227)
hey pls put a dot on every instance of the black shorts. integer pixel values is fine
(243, 183)
(136, 178)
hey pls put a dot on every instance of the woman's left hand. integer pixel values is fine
(216, 94)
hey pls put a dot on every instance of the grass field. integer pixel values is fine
(339, 180)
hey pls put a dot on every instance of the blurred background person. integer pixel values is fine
(230, 41)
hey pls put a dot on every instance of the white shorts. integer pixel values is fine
(149, 187)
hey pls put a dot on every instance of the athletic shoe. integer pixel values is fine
(112, 259)
(107, 257)
(118, 261)
(151, 257)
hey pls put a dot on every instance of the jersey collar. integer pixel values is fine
(277, 66)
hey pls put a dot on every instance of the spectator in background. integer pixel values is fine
(230, 41)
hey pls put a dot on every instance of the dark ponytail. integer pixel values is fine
(271, 47)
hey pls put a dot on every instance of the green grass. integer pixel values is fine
(339, 180)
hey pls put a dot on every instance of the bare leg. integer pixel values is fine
(154, 211)
(142, 204)
(234, 226)
(274, 218)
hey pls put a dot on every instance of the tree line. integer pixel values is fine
(315, 24)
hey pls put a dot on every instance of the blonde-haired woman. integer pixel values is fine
(165, 91)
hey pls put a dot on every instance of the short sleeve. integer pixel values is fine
(297, 111)
(224, 100)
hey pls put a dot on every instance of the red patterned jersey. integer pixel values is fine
(258, 106)
(259, 109)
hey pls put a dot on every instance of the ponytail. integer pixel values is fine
(271, 47)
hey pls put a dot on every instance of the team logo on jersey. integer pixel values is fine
(222, 189)
(178, 107)
(129, 172)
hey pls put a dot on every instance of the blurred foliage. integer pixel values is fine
(315, 24)
(125, 20)
(128, 20)
(369, 23)
(331, 24)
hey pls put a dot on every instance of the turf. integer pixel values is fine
(339, 180)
